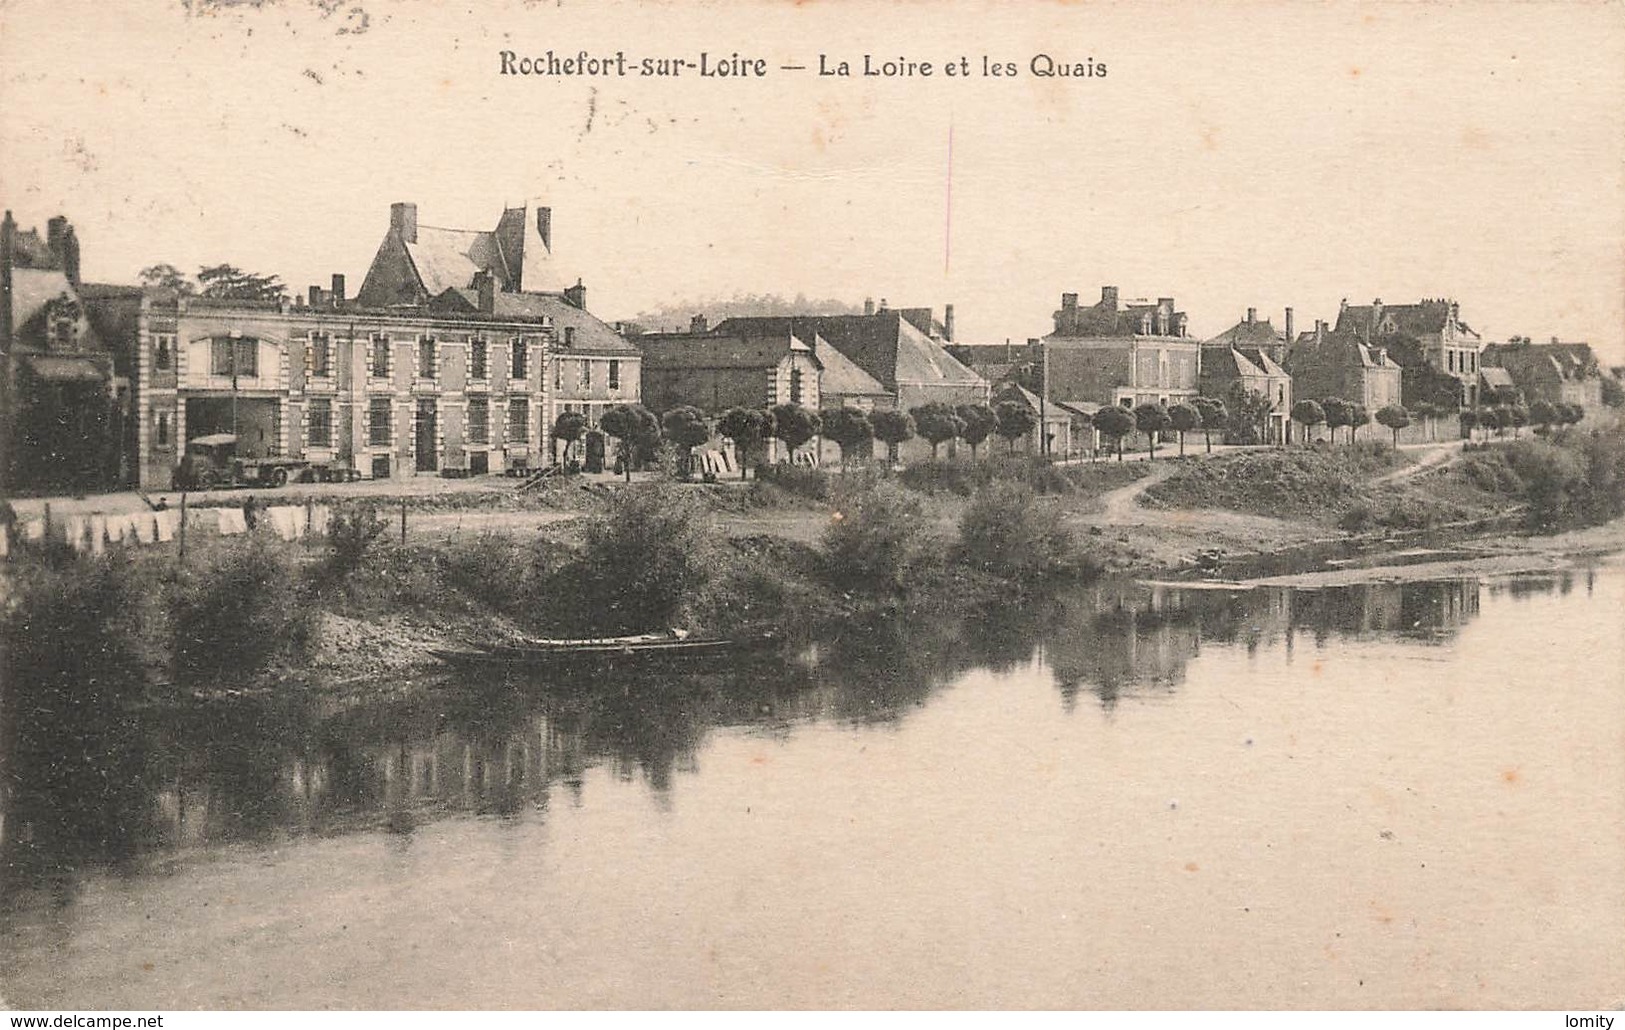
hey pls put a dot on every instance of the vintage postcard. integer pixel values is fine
(812, 505)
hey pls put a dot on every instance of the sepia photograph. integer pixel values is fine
(783, 505)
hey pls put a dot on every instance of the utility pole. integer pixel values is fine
(1043, 397)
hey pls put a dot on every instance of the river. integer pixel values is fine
(1375, 796)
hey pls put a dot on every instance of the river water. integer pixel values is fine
(1379, 796)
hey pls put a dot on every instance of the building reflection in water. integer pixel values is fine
(92, 785)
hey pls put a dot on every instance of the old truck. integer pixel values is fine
(211, 462)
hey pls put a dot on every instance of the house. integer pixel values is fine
(388, 392)
(1555, 372)
(1327, 363)
(1229, 369)
(1251, 334)
(591, 367)
(64, 391)
(842, 384)
(1053, 421)
(1125, 354)
(1428, 333)
(891, 347)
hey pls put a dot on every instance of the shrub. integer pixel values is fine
(349, 535)
(645, 560)
(240, 615)
(964, 479)
(1007, 531)
(811, 483)
(875, 538)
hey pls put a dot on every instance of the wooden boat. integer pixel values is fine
(638, 649)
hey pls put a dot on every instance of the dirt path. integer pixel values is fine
(1434, 455)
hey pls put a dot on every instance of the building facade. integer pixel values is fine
(1123, 354)
(1429, 332)
(1555, 372)
(1325, 363)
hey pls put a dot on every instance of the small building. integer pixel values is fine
(1052, 429)
(718, 370)
(1429, 332)
(1125, 354)
(1555, 372)
(1255, 334)
(1326, 363)
(64, 390)
(1226, 370)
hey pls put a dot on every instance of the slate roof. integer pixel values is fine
(1338, 346)
(1495, 377)
(31, 290)
(1564, 360)
(446, 259)
(885, 345)
(590, 335)
(719, 350)
(842, 377)
(1247, 334)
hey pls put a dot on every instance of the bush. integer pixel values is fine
(877, 535)
(801, 480)
(1007, 531)
(349, 536)
(646, 560)
(240, 613)
(965, 478)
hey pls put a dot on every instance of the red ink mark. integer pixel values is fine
(948, 223)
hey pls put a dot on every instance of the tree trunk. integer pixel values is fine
(1182, 444)
(1207, 434)
(1119, 448)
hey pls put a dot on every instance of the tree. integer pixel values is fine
(1214, 415)
(937, 423)
(1519, 416)
(794, 425)
(748, 428)
(1249, 414)
(1469, 421)
(1309, 415)
(634, 427)
(687, 428)
(1014, 420)
(1424, 413)
(1576, 413)
(1395, 418)
(1151, 419)
(1184, 418)
(892, 428)
(229, 282)
(1358, 417)
(1115, 422)
(1503, 418)
(570, 426)
(168, 277)
(848, 427)
(1339, 412)
(979, 423)
(1543, 414)
(1613, 394)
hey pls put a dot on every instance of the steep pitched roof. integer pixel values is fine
(1247, 334)
(1262, 359)
(1339, 348)
(1565, 360)
(1495, 377)
(587, 333)
(446, 259)
(32, 290)
(843, 378)
(885, 345)
(719, 350)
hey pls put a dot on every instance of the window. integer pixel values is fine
(477, 358)
(378, 415)
(558, 375)
(230, 357)
(321, 355)
(479, 420)
(569, 336)
(426, 357)
(319, 423)
(584, 375)
(162, 429)
(379, 365)
(519, 419)
(614, 375)
(520, 359)
(1450, 359)
(163, 351)
(795, 386)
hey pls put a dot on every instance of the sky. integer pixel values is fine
(1235, 155)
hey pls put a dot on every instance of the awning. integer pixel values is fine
(64, 368)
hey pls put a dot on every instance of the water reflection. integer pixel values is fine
(95, 786)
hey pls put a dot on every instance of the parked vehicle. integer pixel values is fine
(211, 462)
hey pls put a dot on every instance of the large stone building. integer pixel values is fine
(508, 272)
(1556, 372)
(717, 370)
(1125, 354)
(387, 392)
(1326, 363)
(1428, 333)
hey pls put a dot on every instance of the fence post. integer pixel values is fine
(47, 537)
(403, 522)
(183, 528)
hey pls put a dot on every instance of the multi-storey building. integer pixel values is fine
(1125, 354)
(1428, 333)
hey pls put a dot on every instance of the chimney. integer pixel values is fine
(698, 324)
(1069, 302)
(883, 303)
(1289, 325)
(63, 245)
(948, 322)
(1009, 351)
(1108, 297)
(576, 296)
(338, 289)
(487, 289)
(316, 297)
(868, 305)
(544, 227)
(1252, 315)
(403, 219)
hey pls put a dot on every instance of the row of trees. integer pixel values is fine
(1545, 416)
(1336, 413)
